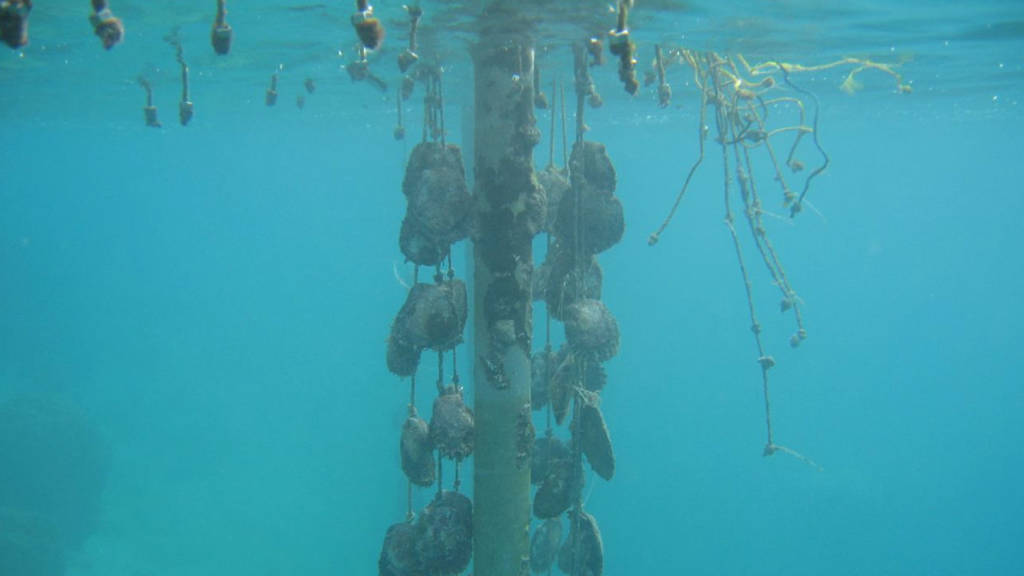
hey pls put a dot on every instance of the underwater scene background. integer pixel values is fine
(193, 320)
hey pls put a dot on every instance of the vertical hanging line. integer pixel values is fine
(455, 372)
(412, 395)
(577, 475)
(565, 137)
(432, 103)
(222, 11)
(149, 91)
(409, 515)
(426, 110)
(551, 134)
(440, 373)
(440, 102)
(440, 470)
(727, 137)
(581, 83)
(180, 57)
(548, 357)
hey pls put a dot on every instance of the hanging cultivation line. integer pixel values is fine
(433, 317)
(740, 108)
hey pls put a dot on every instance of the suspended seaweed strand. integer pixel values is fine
(796, 207)
(728, 130)
(740, 117)
(753, 207)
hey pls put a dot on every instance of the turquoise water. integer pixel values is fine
(216, 298)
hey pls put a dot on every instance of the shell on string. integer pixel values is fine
(591, 167)
(445, 527)
(558, 490)
(548, 452)
(594, 438)
(402, 358)
(399, 555)
(417, 451)
(433, 316)
(556, 186)
(591, 330)
(601, 223)
(547, 537)
(439, 210)
(565, 380)
(436, 190)
(558, 282)
(451, 426)
(418, 246)
(583, 545)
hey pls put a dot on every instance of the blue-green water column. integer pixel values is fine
(505, 192)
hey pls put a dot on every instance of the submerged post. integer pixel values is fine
(509, 209)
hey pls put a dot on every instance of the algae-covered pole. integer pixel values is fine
(509, 208)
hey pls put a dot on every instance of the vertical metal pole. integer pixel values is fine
(504, 137)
